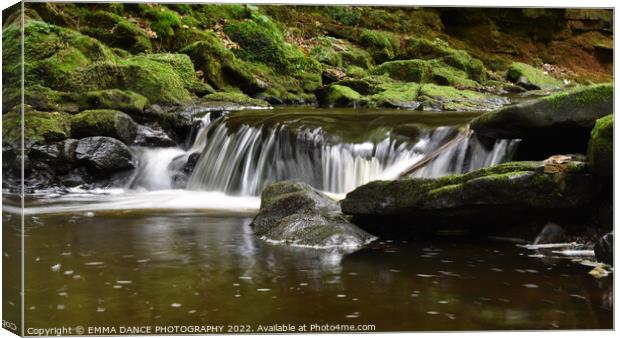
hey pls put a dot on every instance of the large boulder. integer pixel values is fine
(559, 123)
(104, 122)
(601, 147)
(497, 195)
(103, 156)
(297, 214)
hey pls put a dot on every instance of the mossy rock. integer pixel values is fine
(446, 75)
(439, 51)
(39, 127)
(446, 98)
(381, 45)
(356, 72)
(531, 78)
(340, 96)
(104, 122)
(294, 213)
(237, 98)
(156, 80)
(220, 67)
(507, 190)
(123, 100)
(405, 70)
(259, 40)
(577, 109)
(182, 66)
(601, 147)
(51, 53)
(116, 31)
(396, 95)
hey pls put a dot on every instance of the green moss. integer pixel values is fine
(446, 75)
(116, 31)
(39, 127)
(595, 93)
(325, 53)
(534, 76)
(151, 77)
(381, 45)
(405, 70)
(163, 20)
(117, 99)
(449, 93)
(396, 95)
(238, 98)
(601, 147)
(341, 96)
(259, 40)
(356, 72)
(103, 122)
(349, 16)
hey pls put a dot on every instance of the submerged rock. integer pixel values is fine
(604, 249)
(295, 213)
(498, 196)
(103, 156)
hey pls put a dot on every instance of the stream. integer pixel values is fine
(164, 249)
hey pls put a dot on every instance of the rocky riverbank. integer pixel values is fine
(143, 74)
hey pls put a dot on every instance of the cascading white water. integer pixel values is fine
(467, 155)
(245, 160)
(154, 172)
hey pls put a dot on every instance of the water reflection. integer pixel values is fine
(184, 268)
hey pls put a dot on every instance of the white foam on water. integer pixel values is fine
(148, 200)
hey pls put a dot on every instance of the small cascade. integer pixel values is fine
(153, 171)
(468, 154)
(243, 161)
(154, 164)
(242, 158)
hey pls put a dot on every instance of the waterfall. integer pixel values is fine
(243, 160)
(154, 164)
(470, 153)
(240, 156)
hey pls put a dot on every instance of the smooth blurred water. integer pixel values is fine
(154, 268)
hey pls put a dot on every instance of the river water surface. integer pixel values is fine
(136, 256)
